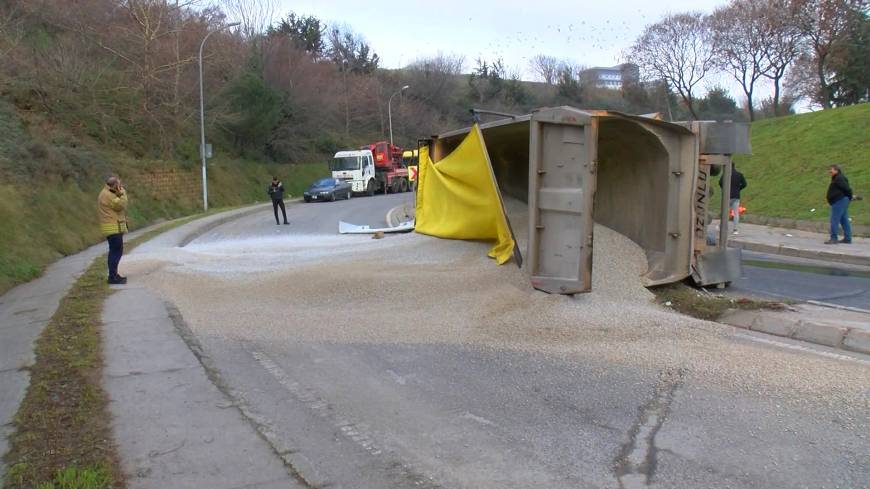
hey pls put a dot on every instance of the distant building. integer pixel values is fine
(612, 77)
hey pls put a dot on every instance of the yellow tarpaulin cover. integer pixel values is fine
(458, 197)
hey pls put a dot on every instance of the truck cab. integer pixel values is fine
(357, 167)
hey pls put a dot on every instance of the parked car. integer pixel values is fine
(328, 189)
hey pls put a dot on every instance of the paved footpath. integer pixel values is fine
(801, 244)
(26, 310)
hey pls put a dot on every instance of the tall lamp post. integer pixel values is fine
(390, 110)
(202, 117)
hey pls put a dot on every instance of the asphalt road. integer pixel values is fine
(802, 280)
(408, 415)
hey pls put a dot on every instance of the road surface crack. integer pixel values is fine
(636, 463)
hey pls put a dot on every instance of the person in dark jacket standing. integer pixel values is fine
(839, 196)
(276, 191)
(738, 183)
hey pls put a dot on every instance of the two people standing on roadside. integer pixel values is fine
(839, 196)
(276, 192)
(738, 183)
(112, 208)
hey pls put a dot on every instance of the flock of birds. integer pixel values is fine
(582, 38)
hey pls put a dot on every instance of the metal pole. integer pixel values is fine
(202, 119)
(726, 203)
(202, 127)
(390, 112)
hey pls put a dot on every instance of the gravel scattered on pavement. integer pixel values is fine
(417, 289)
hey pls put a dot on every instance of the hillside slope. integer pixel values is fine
(787, 171)
(50, 178)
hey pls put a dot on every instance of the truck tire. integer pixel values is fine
(370, 188)
(403, 186)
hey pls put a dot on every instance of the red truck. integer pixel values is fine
(391, 174)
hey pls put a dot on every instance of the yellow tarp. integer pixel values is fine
(458, 197)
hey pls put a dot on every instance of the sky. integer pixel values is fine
(585, 32)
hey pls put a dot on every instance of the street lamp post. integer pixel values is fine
(390, 111)
(202, 117)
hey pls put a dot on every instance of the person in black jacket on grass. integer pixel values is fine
(839, 196)
(738, 183)
(276, 191)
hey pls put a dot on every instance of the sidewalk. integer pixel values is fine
(26, 310)
(173, 423)
(801, 244)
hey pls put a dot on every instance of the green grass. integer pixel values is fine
(62, 438)
(787, 171)
(62, 219)
(702, 304)
(62, 426)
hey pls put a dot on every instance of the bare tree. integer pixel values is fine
(256, 16)
(785, 44)
(435, 81)
(677, 50)
(741, 44)
(546, 67)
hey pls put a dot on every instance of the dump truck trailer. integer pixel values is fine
(642, 177)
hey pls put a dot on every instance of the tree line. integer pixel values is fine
(812, 50)
(293, 88)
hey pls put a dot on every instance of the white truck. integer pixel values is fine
(376, 167)
(357, 167)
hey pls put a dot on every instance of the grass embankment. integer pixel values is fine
(49, 186)
(63, 437)
(787, 171)
(702, 304)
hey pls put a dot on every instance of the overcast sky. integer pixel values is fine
(588, 33)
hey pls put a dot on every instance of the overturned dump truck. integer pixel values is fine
(647, 179)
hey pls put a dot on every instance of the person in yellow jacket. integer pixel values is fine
(112, 205)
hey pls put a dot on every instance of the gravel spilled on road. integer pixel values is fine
(416, 289)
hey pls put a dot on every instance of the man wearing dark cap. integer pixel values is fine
(276, 191)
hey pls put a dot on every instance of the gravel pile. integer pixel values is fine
(417, 289)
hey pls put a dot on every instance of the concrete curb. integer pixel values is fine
(827, 333)
(799, 253)
(801, 225)
(226, 217)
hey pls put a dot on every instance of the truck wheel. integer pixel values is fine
(370, 188)
(403, 186)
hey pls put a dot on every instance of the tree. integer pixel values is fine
(678, 50)
(719, 106)
(826, 25)
(487, 80)
(255, 16)
(568, 81)
(546, 67)
(350, 51)
(785, 44)
(741, 44)
(252, 111)
(306, 32)
(435, 81)
(850, 63)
